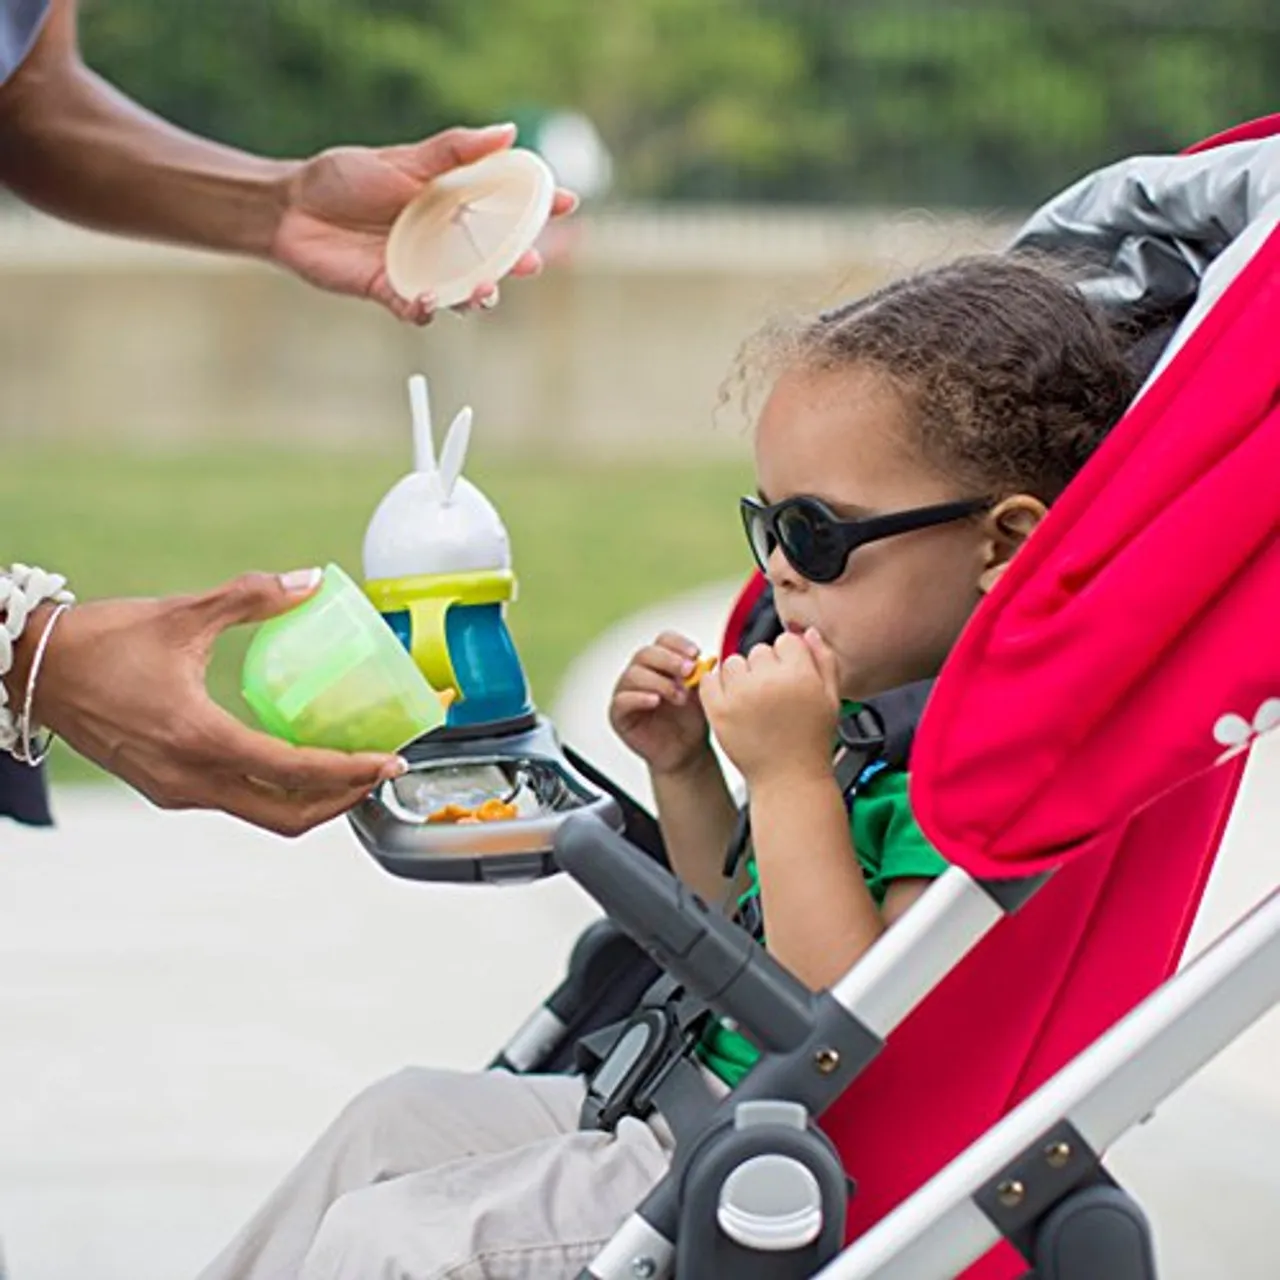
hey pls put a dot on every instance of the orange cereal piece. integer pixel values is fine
(492, 810)
(450, 813)
(703, 666)
(469, 821)
(496, 810)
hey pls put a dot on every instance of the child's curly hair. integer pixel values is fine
(1011, 376)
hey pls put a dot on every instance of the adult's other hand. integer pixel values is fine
(339, 207)
(123, 683)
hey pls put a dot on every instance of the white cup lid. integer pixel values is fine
(469, 225)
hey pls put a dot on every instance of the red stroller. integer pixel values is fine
(1076, 763)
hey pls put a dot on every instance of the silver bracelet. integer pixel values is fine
(25, 751)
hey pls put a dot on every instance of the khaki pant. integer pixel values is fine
(434, 1174)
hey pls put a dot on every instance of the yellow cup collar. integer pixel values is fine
(484, 587)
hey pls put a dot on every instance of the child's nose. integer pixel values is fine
(779, 571)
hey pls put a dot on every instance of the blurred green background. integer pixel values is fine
(590, 544)
(958, 102)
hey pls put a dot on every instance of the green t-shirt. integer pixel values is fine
(890, 846)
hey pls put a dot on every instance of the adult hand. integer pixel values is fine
(123, 683)
(339, 207)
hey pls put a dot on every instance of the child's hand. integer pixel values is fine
(775, 711)
(653, 712)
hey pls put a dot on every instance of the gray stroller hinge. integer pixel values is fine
(1062, 1211)
(1098, 1231)
(762, 1198)
(1046, 1171)
(814, 1074)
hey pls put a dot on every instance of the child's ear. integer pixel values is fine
(1005, 528)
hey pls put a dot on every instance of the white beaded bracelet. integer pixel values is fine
(22, 590)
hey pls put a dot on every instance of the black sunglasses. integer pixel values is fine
(818, 544)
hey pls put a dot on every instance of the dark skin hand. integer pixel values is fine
(123, 683)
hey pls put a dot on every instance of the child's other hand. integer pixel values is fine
(775, 711)
(653, 712)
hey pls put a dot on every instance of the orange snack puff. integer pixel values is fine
(694, 678)
(496, 810)
(492, 810)
(450, 813)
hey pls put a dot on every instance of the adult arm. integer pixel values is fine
(73, 145)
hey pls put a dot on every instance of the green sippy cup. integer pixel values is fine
(331, 673)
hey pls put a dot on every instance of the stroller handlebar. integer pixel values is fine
(713, 958)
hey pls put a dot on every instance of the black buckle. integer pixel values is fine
(862, 731)
(640, 1057)
(862, 734)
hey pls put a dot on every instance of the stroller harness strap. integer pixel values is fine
(645, 1064)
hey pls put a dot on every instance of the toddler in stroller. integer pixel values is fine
(909, 445)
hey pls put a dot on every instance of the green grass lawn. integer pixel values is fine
(591, 544)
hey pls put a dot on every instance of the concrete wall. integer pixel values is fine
(621, 346)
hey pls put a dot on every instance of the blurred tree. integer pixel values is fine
(969, 102)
